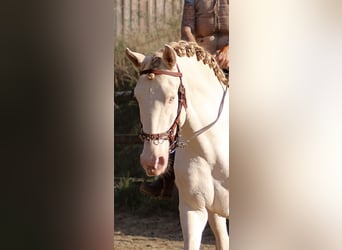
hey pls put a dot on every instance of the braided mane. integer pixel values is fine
(189, 49)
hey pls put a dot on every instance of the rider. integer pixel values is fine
(207, 23)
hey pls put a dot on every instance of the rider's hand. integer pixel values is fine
(222, 57)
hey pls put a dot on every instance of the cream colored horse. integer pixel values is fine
(183, 102)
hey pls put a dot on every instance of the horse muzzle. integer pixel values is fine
(153, 165)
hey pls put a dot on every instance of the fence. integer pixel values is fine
(143, 15)
(129, 139)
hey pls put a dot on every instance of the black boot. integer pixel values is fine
(162, 187)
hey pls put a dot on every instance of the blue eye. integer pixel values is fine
(171, 99)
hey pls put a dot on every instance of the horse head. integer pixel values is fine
(161, 98)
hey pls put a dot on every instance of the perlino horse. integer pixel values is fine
(183, 102)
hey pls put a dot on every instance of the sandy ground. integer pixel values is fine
(132, 232)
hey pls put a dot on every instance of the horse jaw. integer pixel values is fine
(135, 57)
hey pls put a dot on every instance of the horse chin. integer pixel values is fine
(155, 171)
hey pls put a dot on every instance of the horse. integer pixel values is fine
(183, 102)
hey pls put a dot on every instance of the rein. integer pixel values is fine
(202, 130)
(172, 134)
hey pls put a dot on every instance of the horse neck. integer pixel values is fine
(204, 93)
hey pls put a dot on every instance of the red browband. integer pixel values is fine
(161, 72)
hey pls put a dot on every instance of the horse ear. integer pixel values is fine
(169, 56)
(135, 57)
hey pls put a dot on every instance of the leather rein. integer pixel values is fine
(171, 134)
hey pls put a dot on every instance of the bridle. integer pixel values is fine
(172, 133)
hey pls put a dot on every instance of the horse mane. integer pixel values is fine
(189, 49)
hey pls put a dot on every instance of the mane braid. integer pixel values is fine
(189, 49)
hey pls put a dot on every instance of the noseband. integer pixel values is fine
(172, 134)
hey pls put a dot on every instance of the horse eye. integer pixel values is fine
(171, 99)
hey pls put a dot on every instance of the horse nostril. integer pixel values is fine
(153, 162)
(161, 160)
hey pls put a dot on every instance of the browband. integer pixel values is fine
(161, 72)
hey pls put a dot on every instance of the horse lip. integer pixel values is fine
(155, 170)
(151, 172)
